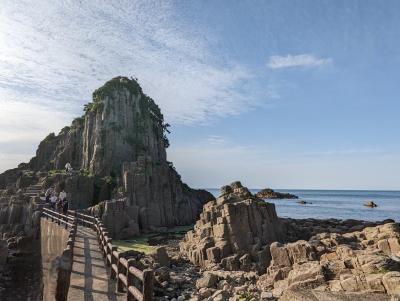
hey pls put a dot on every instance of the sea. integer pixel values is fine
(339, 204)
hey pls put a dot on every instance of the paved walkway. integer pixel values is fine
(90, 280)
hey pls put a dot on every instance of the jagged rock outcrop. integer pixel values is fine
(117, 148)
(268, 193)
(119, 125)
(234, 231)
(121, 219)
(17, 216)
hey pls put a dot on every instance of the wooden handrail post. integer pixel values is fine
(120, 268)
(114, 259)
(130, 279)
(108, 251)
(148, 281)
(104, 243)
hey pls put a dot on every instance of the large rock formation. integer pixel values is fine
(117, 149)
(121, 124)
(234, 231)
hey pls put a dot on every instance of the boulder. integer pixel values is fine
(160, 255)
(391, 281)
(310, 272)
(207, 281)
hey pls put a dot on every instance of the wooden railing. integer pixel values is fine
(137, 284)
(65, 268)
(59, 218)
(64, 220)
(123, 269)
(84, 219)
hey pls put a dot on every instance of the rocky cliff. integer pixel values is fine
(119, 125)
(234, 231)
(117, 149)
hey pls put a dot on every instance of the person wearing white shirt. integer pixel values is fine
(68, 167)
(48, 194)
(53, 201)
(63, 195)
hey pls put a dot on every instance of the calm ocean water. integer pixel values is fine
(340, 204)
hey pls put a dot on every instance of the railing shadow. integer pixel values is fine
(88, 294)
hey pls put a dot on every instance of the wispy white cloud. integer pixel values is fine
(58, 53)
(301, 60)
(54, 54)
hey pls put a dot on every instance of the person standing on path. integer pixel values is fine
(48, 194)
(63, 195)
(53, 201)
(68, 167)
(65, 207)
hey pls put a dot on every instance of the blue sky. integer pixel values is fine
(287, 94)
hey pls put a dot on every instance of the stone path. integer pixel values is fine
(90, 280)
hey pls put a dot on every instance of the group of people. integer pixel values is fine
(57, 202)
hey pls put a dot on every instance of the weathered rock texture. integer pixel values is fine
(234, 231)
(18, 217)
(362, 261)
(117, 149)
(121, 124)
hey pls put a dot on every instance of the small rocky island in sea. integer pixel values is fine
(231, 248)
(268, 193)
(370, 204)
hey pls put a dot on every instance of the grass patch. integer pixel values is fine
(53, 172)
(28, 173)
(146, 243)
(140, 244)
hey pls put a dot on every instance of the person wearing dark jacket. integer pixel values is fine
(65, 206)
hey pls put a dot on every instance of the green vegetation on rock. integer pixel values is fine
(28, 173)
(50, 137)
(65, 129)
(115, 84)
(84, 172)
(54, 172)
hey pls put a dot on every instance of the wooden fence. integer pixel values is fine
(137, 284)
(66, 259)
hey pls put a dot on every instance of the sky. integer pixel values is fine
(285, 94)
